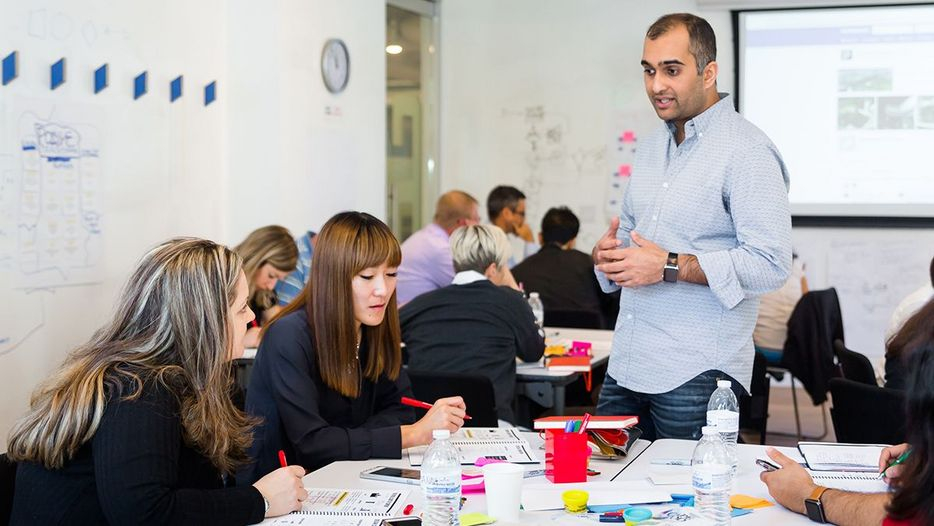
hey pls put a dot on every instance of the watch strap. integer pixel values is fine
(818, 493)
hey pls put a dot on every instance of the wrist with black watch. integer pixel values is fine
(670, 272)
(813, 506)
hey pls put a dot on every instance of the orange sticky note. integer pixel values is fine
(745, 502)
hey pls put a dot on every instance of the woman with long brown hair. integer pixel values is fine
(137, 426)
(328, 378)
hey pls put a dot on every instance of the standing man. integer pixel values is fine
(426, 254)
(705, 228)
(505, 207)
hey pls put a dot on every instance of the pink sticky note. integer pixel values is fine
(628, 136)
(625, 170)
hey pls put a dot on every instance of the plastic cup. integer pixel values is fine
(634, 516)
(503, 483)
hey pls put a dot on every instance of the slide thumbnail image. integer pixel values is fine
(896, 113)
(856, 113)
(877, 79)
(926, 113)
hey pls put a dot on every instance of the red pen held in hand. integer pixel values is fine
(411, 402)
(282, 461)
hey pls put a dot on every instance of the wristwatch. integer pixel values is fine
(814, 507)
(670, 274)
(266, 504)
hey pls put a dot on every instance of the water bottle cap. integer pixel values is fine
(724, 383)
(709, 430)
(440, 433)
(533, 294)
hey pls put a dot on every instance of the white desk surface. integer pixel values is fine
(346, 474)
(636, 466)
(601, 340)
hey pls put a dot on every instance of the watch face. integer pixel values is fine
(814, 510)
(335, 65)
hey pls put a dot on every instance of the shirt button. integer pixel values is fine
(654, 218)
(700, 134)
(664, 185)
(629, 316)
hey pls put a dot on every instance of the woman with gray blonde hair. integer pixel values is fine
(137, 426)
(480, 323)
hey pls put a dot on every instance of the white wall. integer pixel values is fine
(290, 162)
(579, 62)
(265, 152)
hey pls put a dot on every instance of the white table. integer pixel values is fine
(747, 478)
(636, 466)
(546, 387)
(346, 475)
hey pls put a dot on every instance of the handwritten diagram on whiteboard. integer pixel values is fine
(51, 229)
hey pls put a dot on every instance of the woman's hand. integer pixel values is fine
(888, 456)
(445, 413)
(283, 489)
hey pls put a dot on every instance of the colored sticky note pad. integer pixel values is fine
(140, 85)
(625, 170)
(628, 136)
(10, 67)
(748, 503)
(475, 519)
(175, 89)
(57, 73)
(100, 79)
(210, 93)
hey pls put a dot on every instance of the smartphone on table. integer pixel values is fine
(384, 473)
(402, 521)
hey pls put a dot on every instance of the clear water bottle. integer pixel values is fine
(723, 413)
(441, 481)
(711, 476)
(538, 310)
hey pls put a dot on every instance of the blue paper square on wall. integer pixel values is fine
(58, 73)
(175, 89)
(210, 93)
(10, 67)
(100, 78)
(139, 85)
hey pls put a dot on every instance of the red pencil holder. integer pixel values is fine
(566, 456)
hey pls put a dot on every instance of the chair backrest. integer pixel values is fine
(867, 414)
(573, 319)
(477, 391)
(854, 365)
(7, 487)
(814, 324)
(754, 409)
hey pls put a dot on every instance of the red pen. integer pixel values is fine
(282, 461)
(408, 509)
(583, 428)
(411, 402)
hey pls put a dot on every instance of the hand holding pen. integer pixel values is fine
(890, 458)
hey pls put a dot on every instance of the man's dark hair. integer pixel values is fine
(703, 44)
(501, 197)
(559, 225)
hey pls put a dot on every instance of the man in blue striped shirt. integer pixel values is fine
(705, 229)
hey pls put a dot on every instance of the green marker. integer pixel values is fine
(901, 458)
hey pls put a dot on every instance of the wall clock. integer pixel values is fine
(335, 65)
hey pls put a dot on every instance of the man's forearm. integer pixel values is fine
(846, 508)
(690, 270)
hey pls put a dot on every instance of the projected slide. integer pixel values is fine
(847, 95)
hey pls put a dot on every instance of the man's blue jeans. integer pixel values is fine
(679, 413)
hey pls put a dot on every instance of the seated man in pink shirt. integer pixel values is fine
(426, 254)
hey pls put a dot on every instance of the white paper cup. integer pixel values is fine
(503, 483)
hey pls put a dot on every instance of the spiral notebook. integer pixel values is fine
(344, 507)
(475, 442)
(850, 481)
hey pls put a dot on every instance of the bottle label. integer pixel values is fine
(726, 421)
(711, 477)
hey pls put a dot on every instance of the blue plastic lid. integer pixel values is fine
(637, 514)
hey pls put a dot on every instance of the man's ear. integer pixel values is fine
(541, 239)
(710, 74)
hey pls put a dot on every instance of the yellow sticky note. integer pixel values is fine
(745, 502)
(475, 519)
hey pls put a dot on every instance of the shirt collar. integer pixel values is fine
(436, 231)
(466, 277)
(701, 123)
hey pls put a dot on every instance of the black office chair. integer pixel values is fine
(814, 324)
(754, 409)
(867, 414)
(854, 365)
(477, 391)
(7, 488)
(573, 319)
